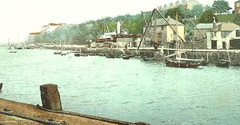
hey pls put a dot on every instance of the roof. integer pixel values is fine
(162, 22)
(206, 25)
(225, 27)
(35, 33)
(54, 24)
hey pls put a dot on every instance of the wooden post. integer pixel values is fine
(1, 84)
(147, 26)
(50, 97)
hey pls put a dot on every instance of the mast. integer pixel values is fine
(104, 25)
(155, 14)
(177, 44)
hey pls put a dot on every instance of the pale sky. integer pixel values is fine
(20, 17)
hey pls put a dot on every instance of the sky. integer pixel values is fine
(20, 17)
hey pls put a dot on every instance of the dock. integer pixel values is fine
(16, 113)
(51, 113)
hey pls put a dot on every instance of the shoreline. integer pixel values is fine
(12, 112)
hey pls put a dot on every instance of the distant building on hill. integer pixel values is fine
(51, 27)
(32, 36)
(237, 7)
(186, 4)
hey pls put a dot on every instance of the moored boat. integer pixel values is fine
(13, 51)
(126, 57)
(149, 58)
(77, 54)
(56, 53)
(181, 64)
(222, 63)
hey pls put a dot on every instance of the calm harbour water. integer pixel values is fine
(129, 90)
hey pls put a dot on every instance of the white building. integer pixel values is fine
(188, 4)
(51, 27)
(224, 36)
(32, 37)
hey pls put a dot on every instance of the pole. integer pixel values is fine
(50, 97)
(196, 27)
(170, 25)
(155, 14)
(145, 30)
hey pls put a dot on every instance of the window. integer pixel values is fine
(160, 35)
(214, 34)
(224, 34)
(162, 27)
(237, 33)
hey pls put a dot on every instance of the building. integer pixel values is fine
(186, 4)
(165, 34)
(200, 32)
(51, 27)
(32, 37)
(224, 36)
(237, 7)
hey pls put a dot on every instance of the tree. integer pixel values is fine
(197, 10)
(172, 13)
(207, 17)
(221, 6)
(237, 19)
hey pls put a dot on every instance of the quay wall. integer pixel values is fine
(208, 55)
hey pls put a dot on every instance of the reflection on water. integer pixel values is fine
(130, 90)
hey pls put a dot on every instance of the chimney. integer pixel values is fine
(214, 22)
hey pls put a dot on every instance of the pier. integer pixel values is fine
(50, 113)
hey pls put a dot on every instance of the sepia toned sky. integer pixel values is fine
(20, 17)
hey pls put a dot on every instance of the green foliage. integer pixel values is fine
(237, 19)
(207, 17)
(172, 13)
(226, 17)
(197, 10)
(135, 25)
(90, 30)
(221, 6)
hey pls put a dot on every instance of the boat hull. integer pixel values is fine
(181, 64)
(222, 64)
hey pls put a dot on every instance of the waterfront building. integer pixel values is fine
(200, 32)
(224, 36)
(165, 34)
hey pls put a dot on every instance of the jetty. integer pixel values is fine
(51, 113)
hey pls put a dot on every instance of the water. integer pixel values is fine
(129, 90)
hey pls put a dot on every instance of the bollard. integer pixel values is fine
(50, 97)
(1, 84)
